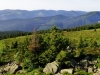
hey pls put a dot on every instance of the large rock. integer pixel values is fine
(51, 67)
(11, 69)
(67, 70)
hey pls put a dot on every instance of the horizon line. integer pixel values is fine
(49, 9)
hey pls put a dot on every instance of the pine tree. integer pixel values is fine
(34, 43)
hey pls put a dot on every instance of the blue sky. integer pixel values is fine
(83, 5)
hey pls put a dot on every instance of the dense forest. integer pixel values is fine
(86, 27)
(12, 34)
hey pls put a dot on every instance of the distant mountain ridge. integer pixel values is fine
(89, 18)
(42, 23)
(29, 24)
(24, 14)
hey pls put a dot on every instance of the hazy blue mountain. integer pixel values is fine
(29, 24)
(47, 22)
(89, 18)
(24, 14)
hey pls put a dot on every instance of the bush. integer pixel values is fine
(98, 62)
(62, 57)
(38, 71)
(82, 72)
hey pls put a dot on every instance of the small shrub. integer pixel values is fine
(82, 72)
(62, 57)
(66, 73)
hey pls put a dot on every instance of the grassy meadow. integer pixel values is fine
(9, 41)
(87, 35)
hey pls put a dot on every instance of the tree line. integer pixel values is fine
(12, 34)
(85, 27)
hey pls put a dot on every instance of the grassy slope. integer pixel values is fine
(88, 35)
(9, 41)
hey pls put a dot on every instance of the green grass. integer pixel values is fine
(83, 33)
(6, 52)
(88, 35)
(9, 41)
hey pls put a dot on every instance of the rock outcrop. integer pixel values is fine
(51, 67)
(10, 67)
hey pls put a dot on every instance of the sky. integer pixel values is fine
(68, 5)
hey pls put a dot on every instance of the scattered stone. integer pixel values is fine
(96, 74)
(70, 49)
(1, 74)
(58, 74)
(21, 71)
(94, 62)
(94, 69)
(1, 70)
(90, 69)
(67, 70)
(84, 63)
